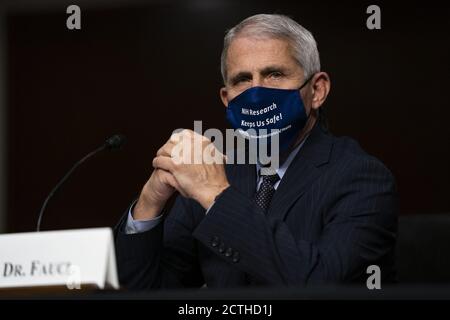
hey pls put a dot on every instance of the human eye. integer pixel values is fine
(240, 80)
(275, 75)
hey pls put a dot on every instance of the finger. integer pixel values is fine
(169, 179)
(175, 138)
(175, 148)
(166, 149)
(164, 163)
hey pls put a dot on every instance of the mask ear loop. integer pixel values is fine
(301, 87)
(309, 114)
(306, 82)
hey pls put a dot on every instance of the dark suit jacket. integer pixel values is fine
(333, 214)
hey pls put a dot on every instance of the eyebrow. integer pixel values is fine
(239, 76)
(264, 72)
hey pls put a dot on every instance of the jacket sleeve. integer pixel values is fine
(163, 257)
(359, 228)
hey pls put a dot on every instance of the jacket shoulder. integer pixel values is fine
(347, 151)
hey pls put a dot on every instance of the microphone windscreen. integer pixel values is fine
(115, 142)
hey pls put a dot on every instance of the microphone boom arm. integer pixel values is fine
(61, 182)
(113, 142)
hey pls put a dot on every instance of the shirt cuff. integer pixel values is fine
(139, 226)
(209, 208)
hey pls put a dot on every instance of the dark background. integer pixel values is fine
(147, 68)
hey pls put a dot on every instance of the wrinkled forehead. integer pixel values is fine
(253, 53)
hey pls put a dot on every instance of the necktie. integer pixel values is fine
(265, 193)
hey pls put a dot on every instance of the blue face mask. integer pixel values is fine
(268, 113)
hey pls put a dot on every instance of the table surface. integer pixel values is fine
(428, 291)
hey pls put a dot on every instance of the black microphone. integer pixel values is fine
(114, 142)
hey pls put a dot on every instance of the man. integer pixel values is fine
(325, 214)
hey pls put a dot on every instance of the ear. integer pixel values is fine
(320, 87)
(224, 96)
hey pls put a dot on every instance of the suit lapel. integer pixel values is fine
(243, 178)
(303, 170)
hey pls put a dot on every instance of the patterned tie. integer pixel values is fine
(265, 193)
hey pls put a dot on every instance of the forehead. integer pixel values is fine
(252, 54)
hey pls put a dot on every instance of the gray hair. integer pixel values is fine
(276, 26)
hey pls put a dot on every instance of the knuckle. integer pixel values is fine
(174, 137)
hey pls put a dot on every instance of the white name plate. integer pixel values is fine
(68, 258)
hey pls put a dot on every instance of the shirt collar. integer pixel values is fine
(285, 165)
